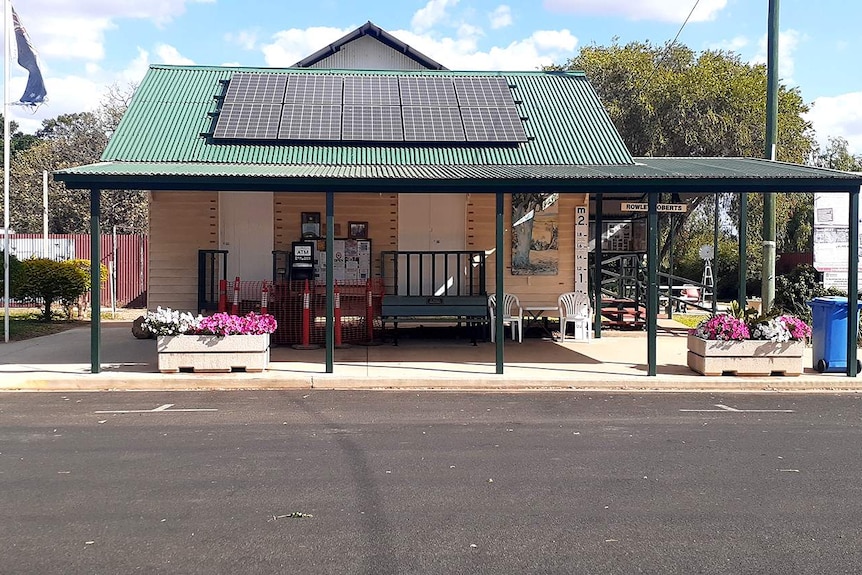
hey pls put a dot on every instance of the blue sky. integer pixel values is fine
(87, 45)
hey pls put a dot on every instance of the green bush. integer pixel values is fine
(51, 281)
(794, 290)
(14, 272)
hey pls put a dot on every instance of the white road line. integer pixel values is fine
(160, 409)
(726, 409)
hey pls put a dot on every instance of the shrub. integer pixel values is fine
(14, 272)
(794, 290)
(50, 281)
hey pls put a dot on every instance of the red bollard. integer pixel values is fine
(337, 316)
(222, 296)
(264, 298)
(234, 310)
(306, 316)
(369, 311)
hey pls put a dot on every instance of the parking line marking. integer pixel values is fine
(726, 409)
(166, 408)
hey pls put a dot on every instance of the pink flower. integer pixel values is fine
(226, 324)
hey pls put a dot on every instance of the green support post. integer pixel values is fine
(767, 285)
(95, 283)
(741, 296)
(652, 288)
(498, 287)
(853, 284)
(330, 283)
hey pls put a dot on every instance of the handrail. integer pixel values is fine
(433, 273)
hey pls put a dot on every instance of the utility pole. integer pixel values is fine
(767, 286)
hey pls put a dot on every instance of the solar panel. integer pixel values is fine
(490, 92)
(493, 125)
(315, 122)
(263, 88)
(314, 89)
(372, 124)
(371, 91)
(248, 121)
(427, 91)
(425, 124)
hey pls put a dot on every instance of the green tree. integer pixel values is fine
(66, 141)
(51, 281)
(836, 156)
(668, 101)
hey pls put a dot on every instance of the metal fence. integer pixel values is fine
(124, 255)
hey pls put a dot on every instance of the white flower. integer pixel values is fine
(165, 321)
(771, 330)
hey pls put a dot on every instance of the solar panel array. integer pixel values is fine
(318, 107)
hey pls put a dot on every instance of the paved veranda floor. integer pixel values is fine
(616, 361)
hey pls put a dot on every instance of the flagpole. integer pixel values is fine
(7, 52)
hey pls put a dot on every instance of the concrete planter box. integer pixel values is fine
(747, 357)
(212, 353)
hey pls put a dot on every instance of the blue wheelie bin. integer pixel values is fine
(829, 334)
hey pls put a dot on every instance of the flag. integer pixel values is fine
(35, 92)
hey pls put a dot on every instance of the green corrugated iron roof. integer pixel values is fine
(688, 174)
(173, 109)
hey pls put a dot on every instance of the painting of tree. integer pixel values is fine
(534, 234)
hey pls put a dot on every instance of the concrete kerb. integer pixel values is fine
(616, 362)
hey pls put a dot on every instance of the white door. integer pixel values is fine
(435, 223)
(246, 232)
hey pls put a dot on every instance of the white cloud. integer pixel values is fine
(169, 55)
(462, 53)
(788, 42)
(245, 39)
(433, 12)
(735, 44)
(662, 10)
(291, 46)
(501, 17)
(838, 116)
(76, 30)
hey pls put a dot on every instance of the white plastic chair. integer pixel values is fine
(574, 308)
(513, 315)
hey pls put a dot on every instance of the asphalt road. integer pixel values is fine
(406, 482)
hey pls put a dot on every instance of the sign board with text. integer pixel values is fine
(644, 207)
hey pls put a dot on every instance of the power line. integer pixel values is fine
(671, 45)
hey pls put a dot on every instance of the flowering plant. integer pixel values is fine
(170, 322)
(165, 321)
(740, 325)
(226, 324)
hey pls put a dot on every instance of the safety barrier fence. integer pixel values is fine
(299, 307)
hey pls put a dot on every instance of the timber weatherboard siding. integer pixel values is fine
(180, 225)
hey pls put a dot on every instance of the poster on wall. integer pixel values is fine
(534, 234)
(351, 261)
(832, 239)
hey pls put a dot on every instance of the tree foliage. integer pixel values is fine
(668, 101)
(66, 141)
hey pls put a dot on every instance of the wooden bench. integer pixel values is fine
(471, 310)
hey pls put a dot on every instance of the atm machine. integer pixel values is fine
(302, 260)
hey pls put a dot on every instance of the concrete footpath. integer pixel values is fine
(617, 361)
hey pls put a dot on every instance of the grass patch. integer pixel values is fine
(689, 319)
(29, 324)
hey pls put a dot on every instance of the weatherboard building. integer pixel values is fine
(400, 177)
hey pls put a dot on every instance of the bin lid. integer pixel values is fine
(830, 301)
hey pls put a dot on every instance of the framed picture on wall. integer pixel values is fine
(357, 230)
(310, 224)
